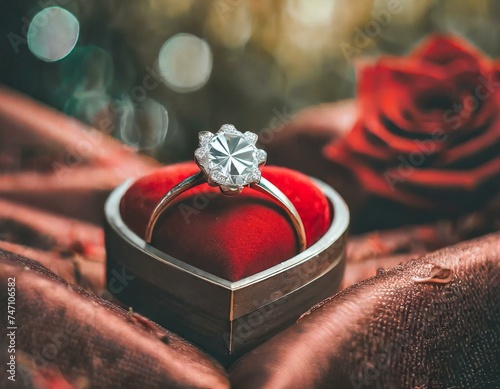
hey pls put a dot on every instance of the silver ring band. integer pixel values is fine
(230, 160)
(263, 186)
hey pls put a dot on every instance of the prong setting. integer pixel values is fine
(251, 137)
(261, 156)
(205, 137)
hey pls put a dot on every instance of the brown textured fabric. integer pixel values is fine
(112, 349)
(64, 328)
(414, 239)
(73, 249)
(58, 163)
(401, 329)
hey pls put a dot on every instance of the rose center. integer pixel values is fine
(435, 103)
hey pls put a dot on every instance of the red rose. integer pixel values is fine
(428, 132)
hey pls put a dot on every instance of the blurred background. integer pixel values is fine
(155, 72)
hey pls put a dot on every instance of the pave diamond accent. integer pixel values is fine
(230, 158)
(251, 137)
(204, 137)
(200, 153)
(260, 155)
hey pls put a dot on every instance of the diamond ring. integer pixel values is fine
(230, 160)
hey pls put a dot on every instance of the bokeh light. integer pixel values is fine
(272, 56)
(87, 68)
(233, 30)
(53, 33)
(185, 62)
(91, 107)
(142, 125)
(313, 13)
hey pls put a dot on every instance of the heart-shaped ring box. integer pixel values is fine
(223, 272)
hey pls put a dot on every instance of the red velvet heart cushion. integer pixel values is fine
(231, 237)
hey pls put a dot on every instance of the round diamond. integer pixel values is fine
(233, 155)
(230, 158)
